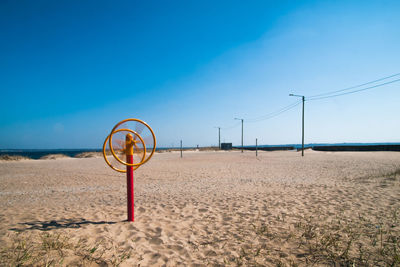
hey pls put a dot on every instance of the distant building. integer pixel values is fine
(226, 146)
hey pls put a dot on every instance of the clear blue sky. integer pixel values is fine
(70, 70)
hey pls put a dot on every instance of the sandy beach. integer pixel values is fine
(207, 208)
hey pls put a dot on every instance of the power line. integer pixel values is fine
(352, 92)
(319, 97)
(352, 87)
(275, 113)
(280, 112)
(272, 114)
(231, 127)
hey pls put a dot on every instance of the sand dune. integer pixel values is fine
(54, 156)
(207, 208)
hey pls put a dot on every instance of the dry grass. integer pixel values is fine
(54, 156)
(90, 154)
(58, 250)
(339, 241)
(350, 242)
(342, 242)
(12, 157)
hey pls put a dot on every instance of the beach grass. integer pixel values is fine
(52, 249)
(343, 241)
(6, 157)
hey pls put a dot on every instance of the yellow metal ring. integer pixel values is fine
(105, 157)
(117, 158)
(140, 121)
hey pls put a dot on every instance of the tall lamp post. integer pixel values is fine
(302, 128)
(219, 137)
(242, 131)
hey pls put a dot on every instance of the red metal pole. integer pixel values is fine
(129, 179)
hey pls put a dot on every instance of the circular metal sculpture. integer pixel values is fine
(131, 148)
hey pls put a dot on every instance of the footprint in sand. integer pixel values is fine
(137, 239)
(155, 256)
(175, 247)
(132, 228)
(210, 253)
(156, 241)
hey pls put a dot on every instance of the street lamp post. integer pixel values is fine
(219, 137)
(242, 131)
(302, 128)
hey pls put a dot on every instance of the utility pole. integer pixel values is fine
(219, 137)
(242, 131)
(256, 148)
(181, 148)
(302, 128)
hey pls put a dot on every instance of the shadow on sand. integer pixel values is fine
(59, 224)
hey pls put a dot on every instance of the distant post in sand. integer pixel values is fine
(181, 148)
(302, 128)
(126, 143)
(242, 131)
(219, 137)
(256, 148)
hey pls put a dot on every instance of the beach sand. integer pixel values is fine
(207, 208)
